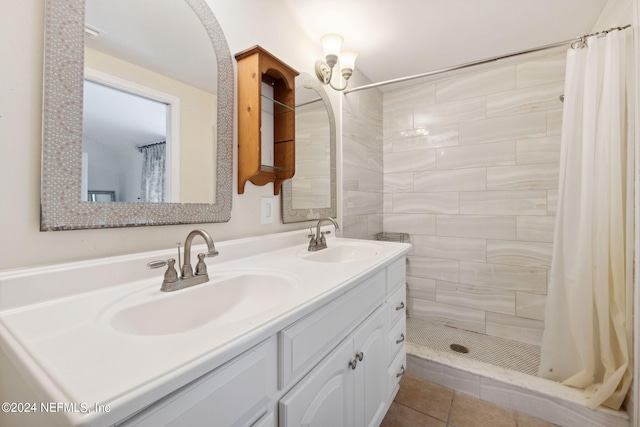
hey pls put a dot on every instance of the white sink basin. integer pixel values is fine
(224, 299)
(345, 252)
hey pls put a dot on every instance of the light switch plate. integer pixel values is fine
(266, 210)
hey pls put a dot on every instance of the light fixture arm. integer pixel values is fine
(324, 72)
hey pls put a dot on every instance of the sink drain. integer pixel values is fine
(458, 348)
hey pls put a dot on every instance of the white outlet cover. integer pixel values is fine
(266, 210)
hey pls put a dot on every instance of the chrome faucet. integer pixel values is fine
(318, 241)
(187, 278)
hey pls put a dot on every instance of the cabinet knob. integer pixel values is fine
(401, 339)
(401, 306)
(401, 373)
(353, 363)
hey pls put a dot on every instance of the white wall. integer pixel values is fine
(244, 22)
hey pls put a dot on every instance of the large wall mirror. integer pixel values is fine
(138, 104)
(311, 193)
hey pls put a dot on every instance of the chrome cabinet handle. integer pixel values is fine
(360, 356)
(400, 307)
(401, 373)
(401, 339)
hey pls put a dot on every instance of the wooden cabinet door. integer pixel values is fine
(325, 396)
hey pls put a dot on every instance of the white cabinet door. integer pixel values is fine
(325, 396)
(370, 342)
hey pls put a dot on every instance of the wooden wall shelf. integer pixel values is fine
(255, 67)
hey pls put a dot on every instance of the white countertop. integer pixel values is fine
(55, 321)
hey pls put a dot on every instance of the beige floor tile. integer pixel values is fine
(425, 396)
(525, 420)
(402, 416)
(468, 411)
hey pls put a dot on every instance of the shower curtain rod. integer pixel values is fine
(580, 39)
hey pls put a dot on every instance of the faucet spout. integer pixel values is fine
(325, 219)
(318, 240)
(187, 270)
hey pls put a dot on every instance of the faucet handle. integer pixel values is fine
(171, 275)
(201, 267)
(157, 263)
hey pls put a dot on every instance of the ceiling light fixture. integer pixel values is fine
(331, 43)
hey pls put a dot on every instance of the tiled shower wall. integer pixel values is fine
(471, 172)
(362, 173)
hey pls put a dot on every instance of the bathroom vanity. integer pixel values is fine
(279, 336)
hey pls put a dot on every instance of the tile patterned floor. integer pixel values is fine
(421, 403)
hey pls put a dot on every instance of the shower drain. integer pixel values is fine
(458, 348)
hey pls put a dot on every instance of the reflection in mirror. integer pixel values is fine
(148, 47)
(203, 124)
(311, 193)
(124, 141)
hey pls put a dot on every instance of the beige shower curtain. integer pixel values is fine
(586, 342)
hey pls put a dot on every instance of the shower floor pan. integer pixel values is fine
(499, 371)
(501, 352)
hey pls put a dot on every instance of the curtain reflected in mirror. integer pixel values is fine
(153, 186)
(311, 193)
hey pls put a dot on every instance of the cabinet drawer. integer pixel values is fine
(396, 371)
(305, 342)
(396, 274)
(397, 338)
(236, 394)
(397, 305)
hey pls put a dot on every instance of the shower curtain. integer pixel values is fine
(153, 188)
(587, 341)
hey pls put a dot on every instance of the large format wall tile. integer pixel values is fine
(476, 84)
(523, 177)
(528, 100)
(420, 139)
(446, 203)
(531, 125)
(503, 276)
(541, 71)
(535, 228)
(451, 315)
(538, 150)
(530, 306)
(450, 180)
(421, 288)
(478, 297)
(449, 113)
(482, 226)
(473, 156)
(515, 328)
(537, 254)
(433, 268)
(504, 203)
(405, 161)
(400, 182)
(410, 223)
(449, 247)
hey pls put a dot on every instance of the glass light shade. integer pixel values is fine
(348, 59)
(331, 43)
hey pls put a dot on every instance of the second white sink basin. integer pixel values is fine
(224, 299)
(345, 252)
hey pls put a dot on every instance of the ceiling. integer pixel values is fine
(407, 37)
